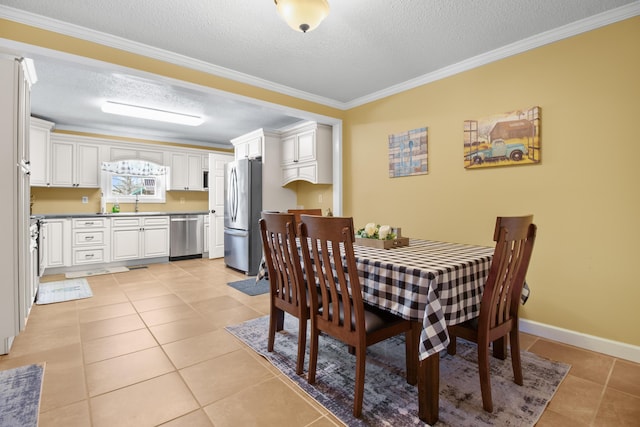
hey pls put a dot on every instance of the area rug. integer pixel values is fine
(390, 401)
(65, 290)
(250, 286)
(97, 272)
(20, 390)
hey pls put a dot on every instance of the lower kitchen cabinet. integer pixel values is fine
(57, 242)
(90, 240)
(139, 237)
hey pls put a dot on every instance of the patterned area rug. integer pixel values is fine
(20, 390)
(390, 401)
(250, 286)
(65, 290)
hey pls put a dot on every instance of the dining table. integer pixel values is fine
(433, 284)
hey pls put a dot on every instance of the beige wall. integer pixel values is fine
(584, 194)
(312, 196)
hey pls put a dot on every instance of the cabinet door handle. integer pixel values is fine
(89, 255)
(88, 237)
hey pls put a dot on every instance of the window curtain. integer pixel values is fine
(134, 167)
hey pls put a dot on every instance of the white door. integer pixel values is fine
(216, 203)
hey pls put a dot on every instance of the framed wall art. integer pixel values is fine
(408, 153)
(506, 139)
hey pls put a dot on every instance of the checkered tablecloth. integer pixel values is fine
(437, 283)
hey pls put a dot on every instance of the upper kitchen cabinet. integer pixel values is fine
(266, 145)
(306, 154)
(39, 153)
(186, 171)
(249, 146)
(74, 163)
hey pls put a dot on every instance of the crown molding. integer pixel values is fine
(624, 12)
(116, 42)
(547, 37)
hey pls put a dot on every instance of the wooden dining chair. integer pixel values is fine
(340, 291)
(288, 292)
(298, 212)
(498, 317)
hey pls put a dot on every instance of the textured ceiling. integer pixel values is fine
(364, 49)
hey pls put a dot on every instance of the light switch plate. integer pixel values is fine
(85, 199)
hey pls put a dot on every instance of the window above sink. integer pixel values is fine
(130, 181)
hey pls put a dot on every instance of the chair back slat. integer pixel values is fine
(322, 240)
(514, 237)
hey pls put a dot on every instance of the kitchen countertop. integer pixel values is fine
(109, 214)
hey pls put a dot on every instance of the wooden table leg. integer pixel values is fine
(429, 388)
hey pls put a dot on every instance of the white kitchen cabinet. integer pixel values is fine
(249, 146)
(90, 240)
(139, 237)
(74, 164)
(186, 171)
(39, 152)
(57, 242)
(275, 197)
(307, 154)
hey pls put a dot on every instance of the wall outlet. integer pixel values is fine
(182, 200)
(85, 199)
(320, 198)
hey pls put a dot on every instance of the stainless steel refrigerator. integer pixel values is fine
(243, 204)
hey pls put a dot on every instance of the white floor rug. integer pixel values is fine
(65, 290)
(76, 274)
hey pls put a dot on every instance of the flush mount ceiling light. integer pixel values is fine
(151, 114)
(303, 15)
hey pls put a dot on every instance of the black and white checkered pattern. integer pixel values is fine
(438, 283)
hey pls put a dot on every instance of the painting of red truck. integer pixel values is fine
(505, 139)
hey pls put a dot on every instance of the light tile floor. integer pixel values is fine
(149, 348)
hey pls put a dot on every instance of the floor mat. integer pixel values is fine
(250, 286)
(97, 272)
(20, 391)
(390, 401)
(65, 290)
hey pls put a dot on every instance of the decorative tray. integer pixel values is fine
(383, 244)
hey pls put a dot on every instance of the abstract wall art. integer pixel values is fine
(408, 153)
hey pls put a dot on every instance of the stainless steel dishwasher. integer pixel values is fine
(186, 236)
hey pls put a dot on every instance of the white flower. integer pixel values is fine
(383, 232)
(370, 228)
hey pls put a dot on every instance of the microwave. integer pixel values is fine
(205, 179)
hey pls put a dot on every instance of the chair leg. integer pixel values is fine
(515, 356)
(302, 344)
(313, 355)
(276, 321)
(361, 354)
(500, 348)
(451, 348)
(485, 381)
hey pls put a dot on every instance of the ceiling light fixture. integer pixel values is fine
(303, 15)
(151, 114)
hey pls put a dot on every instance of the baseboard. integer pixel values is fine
(588, 342)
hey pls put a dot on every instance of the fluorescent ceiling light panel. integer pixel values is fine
(151, 114)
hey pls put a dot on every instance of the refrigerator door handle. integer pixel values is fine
(233, 194)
